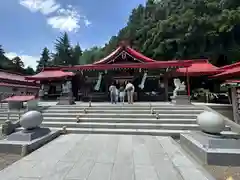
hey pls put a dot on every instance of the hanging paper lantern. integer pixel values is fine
(140, 70)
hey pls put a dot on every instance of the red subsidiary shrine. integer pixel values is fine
(15, 84)
(199, 67)
(50, 74)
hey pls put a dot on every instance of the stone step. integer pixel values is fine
(153, 132)
(110, 115)
(121, 125)
(10, 114)
(121, 120)
(124, 111)
(116, 107)
(118, 120)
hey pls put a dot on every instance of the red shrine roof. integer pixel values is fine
(150, 65)
(11, 76)
(50, 73)
(199, 67)
(18, 85)
(139, 61)
(230, 66)
(232, 81)
(129, 51)
(230, 72)
(19, 99)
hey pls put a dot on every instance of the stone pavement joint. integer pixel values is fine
(106, 157)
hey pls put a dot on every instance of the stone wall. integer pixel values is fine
(224, 109)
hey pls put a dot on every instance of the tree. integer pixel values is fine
(76, 55)
(29, 71)
(44, 60)
(91, 55)
(18, 64)
(63, 55)
(1, 51)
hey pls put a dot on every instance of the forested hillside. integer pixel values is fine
(184, 29)
(162, 30)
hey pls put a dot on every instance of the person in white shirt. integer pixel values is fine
(130, 91)
(121, 94)
(113, 91)
(117, 94)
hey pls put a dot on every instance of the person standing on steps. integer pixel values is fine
(130, 91)
(122, 94)
(113, 91)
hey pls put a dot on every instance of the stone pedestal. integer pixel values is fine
(30, 138)
(15, 105)
(28, 135)
(218, 150)
(181, 98)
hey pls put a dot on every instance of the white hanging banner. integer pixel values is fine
(141, 86)
(97, 86)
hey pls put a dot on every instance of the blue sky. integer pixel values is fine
(27, 26)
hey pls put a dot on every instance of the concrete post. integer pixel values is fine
(24, 150)
(235, 105)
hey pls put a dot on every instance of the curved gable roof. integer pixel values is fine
(135, 54)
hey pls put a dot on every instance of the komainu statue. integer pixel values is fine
(178, 86)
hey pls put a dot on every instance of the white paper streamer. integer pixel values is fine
(141, 86)
(97, 86)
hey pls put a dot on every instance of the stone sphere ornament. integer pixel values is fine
(31, 120)
(210, 122)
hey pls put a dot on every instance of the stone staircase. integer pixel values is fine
(159, 120)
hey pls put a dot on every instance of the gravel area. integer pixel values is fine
(7, 159)
(224, 172)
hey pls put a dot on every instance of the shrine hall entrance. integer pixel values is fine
(84, 86)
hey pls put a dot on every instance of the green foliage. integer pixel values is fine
(1, 51)
(18, 64)
(169, 29)
(89, 56)
(76, 56)
(29, 71)
(44, 60)
(63, 55)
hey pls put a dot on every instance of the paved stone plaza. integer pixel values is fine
(106, 157)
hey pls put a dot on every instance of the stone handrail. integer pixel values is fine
(234, 126)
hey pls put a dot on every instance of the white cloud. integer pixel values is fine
(44, 6)
(64, 19)
(27, 59)
(87, 22)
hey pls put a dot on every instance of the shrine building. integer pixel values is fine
(153, 79)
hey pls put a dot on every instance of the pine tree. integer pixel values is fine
(76, 56)
(44, 60)
(1, 51)
(63, 55)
